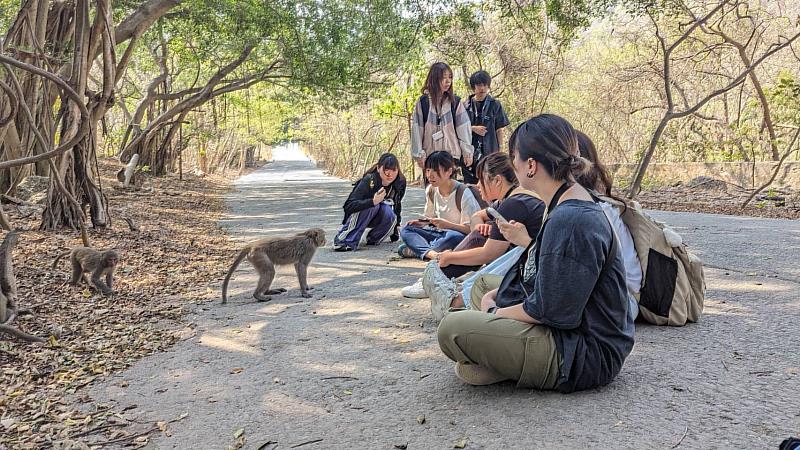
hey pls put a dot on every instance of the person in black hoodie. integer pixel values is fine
(374, 203)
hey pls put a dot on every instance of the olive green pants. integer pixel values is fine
(520, 351)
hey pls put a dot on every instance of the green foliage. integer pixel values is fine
(784, 98)
(8, 11)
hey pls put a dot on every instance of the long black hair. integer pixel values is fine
(387, 161)
(598, 177)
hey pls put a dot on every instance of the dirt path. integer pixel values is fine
(358, 366)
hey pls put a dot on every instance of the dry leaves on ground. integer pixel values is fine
(718, 197)
(172, 262)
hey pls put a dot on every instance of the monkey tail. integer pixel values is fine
(16, 332)
(242, 255)
(58, 258)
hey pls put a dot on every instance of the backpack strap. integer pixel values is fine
(425, 105)
(460, 188)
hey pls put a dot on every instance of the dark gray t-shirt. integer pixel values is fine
(589, 317)
(490, 114)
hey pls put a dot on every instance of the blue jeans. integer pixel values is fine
(421, 240)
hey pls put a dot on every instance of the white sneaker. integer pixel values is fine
(414, 291)
(441, 290)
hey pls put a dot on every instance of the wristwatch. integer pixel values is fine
(492, 310)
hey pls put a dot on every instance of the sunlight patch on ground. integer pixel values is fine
(235, 339)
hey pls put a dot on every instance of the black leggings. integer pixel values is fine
(473, 240)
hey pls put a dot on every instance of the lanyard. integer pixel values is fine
(474, 110)
(554, 202)
(533, 248)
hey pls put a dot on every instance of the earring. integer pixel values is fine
(529, 174)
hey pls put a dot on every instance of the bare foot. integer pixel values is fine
(457, 302)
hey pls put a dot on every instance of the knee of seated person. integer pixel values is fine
(448, 328)
(457, 323)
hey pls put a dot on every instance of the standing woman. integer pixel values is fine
(440, 121)
(374, 203)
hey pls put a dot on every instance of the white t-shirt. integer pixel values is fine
(445, 207)
(633, 269)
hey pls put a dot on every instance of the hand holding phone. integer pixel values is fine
(379, 196)
(493, 212)
(421, 222)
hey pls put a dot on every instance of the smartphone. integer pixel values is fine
(424, 220)
(493, 212)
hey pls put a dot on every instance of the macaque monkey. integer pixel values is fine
(97, 263)
(264, 254)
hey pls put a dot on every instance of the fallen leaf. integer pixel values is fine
(238, 433)
(421, 419)
(461, 443)
(237, 370)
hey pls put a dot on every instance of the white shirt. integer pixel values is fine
(633, 269)
(445, 207)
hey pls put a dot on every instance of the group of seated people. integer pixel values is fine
(540, 286)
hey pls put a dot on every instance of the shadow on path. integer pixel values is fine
(357, 365)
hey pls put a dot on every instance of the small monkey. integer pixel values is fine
(98, 263)
(264, 254)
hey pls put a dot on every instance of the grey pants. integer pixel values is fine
(520, 351)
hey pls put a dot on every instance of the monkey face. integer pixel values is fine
(318, 236)
(111, 258)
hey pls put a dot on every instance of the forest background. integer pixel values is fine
(207, 85)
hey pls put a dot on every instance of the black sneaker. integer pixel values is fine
(342, 248)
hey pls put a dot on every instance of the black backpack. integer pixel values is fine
(425, 104)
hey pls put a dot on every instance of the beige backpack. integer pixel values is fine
(673, 283)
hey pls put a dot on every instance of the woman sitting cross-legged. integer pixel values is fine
(560, 319)
(497, 182)
(448, 208)
(449, 205)
(374, 203)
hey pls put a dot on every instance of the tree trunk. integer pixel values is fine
(153, 141)
(50, 41)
